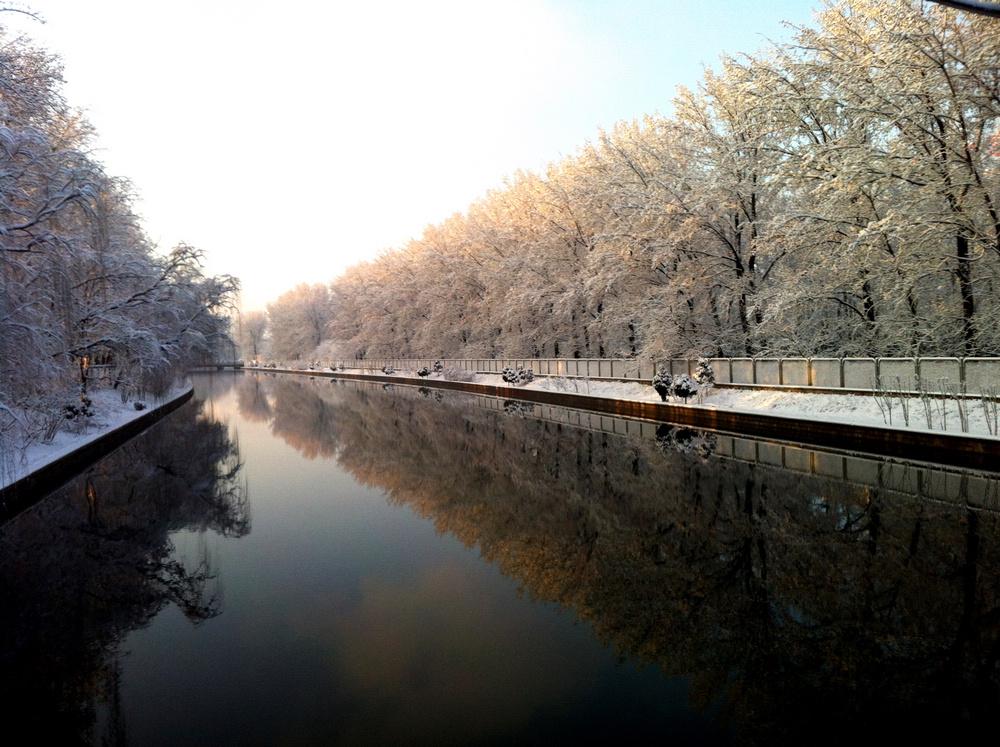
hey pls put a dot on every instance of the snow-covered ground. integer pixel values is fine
(844, 408)
(109, 413)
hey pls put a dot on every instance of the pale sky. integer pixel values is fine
(291, 140)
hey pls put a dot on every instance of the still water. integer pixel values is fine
(289, 560)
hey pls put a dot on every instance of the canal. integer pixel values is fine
(287, 560)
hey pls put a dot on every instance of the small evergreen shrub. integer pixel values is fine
(685, 387)
(663, 383)
(517, 376)
(704, 374)
(83, 410)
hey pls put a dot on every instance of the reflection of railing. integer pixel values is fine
(217, 366)
(972, 490)
(965, 374)
(935, 447)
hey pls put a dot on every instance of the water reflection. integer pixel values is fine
(811, 606)
(94, 561)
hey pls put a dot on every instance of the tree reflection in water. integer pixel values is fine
(93, 561)
(804, 605)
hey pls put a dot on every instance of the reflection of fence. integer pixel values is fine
(933, 374)
(971, 490)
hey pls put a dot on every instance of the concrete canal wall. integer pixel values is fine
(36, 484)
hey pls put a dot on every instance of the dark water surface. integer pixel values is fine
(307, 561)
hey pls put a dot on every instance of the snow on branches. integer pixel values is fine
(837, 195)
(84, 294)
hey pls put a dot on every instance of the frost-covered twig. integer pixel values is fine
(904, 402)
(990, 402)
(961, 405)
(883, 399)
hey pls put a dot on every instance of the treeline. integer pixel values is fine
(80, 283)
(836, 195)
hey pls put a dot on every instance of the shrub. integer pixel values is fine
(685, 387)
(84, 410)
(438, 367)
(424, 371)
(517, 376)
(388, 370)
(663, 383)
(704, 374)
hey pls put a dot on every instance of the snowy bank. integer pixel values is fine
(855, 409)
(843, 422)
(111, 415)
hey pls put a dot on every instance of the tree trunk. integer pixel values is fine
(964, 273)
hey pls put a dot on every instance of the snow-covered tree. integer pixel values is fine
(299, 319)
(834, 195)
(80, 283)
(253, 329)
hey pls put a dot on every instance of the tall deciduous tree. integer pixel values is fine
(299, 320)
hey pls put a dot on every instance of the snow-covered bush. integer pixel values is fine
(139, 405)
(704, 374)
(663, 383)
(423, 371)
(388, 370)
(78, 414)
(517, 376)
(85, 409)
(438, 367)
(685, 387)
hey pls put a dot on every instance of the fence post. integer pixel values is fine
(753, 370)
